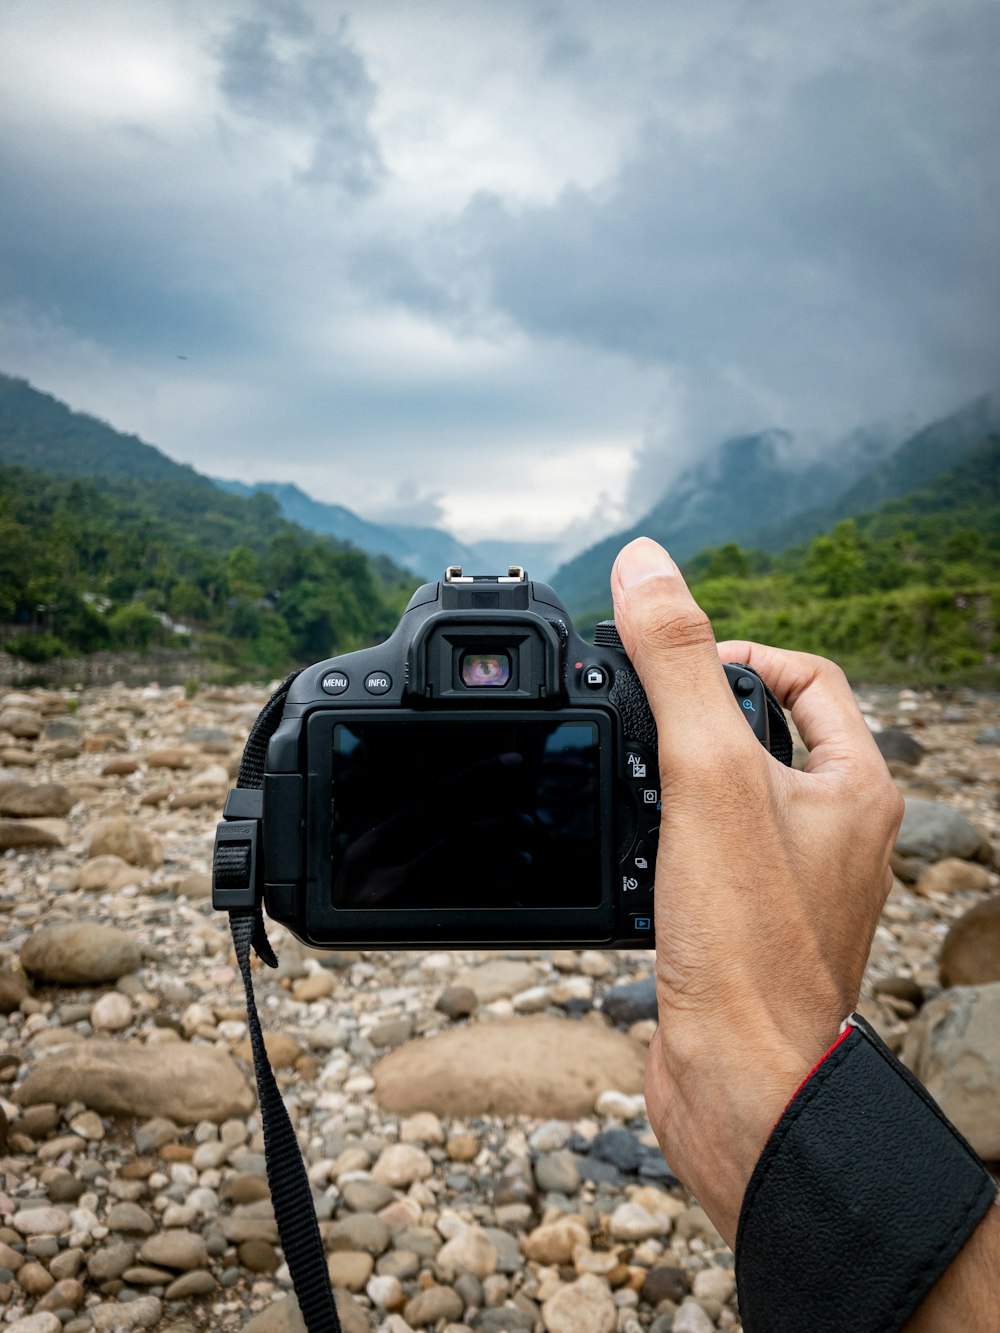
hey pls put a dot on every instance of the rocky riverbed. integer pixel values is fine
(473, 1123)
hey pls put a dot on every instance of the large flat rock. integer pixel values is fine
(538, 1066)
(184, 1083)
(80, 953)
(933, 830)
(953, 1047)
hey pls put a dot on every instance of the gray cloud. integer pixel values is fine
(317, 82)
(412, 506)
(503, 258)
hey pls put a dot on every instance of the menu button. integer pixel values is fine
(335, 682)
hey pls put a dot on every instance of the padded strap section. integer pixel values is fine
(863, 1196)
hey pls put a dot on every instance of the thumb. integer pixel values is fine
(670, 642)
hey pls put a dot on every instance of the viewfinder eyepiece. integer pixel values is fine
(485, 670)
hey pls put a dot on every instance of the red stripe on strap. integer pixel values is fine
(821, 1061)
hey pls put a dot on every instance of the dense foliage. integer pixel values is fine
(131, 564)
(909, 592)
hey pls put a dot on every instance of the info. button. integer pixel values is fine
(377, 682)
(335, 682)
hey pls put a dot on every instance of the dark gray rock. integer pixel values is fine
(899, 746)
(509, 1256)
(988, 736)
(600, 1173)
(618, 1147)
(665, 1283)
(654, 1167)
(503, 1319)
(933, 830)
(63, 729)
(631, 1002)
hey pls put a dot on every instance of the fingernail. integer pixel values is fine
(641, 560)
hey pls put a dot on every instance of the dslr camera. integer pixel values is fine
(483, 777)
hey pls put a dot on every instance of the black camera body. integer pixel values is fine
(484, 777)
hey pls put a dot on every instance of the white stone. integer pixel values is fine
(141, 1313)
(88, 1125)
(401, 1164)
(34, 1323)
(585, 1306)
(423, 1128)
(197, 1016)
(573, 988)
(594, 964)
(41, 1222)
(471, 1251)
(713, 1284)
(385, 1292)
(619, 1105)
(359, 1085)
(550, 1136)
(630, 1221)
(691, 1318)
(436, 962)
(533, 1000)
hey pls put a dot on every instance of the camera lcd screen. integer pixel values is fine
(491, 814)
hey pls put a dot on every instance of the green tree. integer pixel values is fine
(835, 564)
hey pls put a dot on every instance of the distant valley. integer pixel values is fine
(884, 553)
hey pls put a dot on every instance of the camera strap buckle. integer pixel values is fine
(237, 866)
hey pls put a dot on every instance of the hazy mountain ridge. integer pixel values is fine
(425, 551)
(754, 491)
(926, 454)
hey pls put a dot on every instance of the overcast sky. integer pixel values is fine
(500, 266)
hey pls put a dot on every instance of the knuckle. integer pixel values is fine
(678, 627)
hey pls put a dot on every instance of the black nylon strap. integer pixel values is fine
(286, 1172)
(291, 1195)
(863, 1196)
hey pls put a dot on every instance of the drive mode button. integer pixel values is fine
(335, 682)
(377, 682)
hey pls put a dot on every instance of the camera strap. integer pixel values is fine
(291, 1194)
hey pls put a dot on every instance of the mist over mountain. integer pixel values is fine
(919, 459)
(758, 491)
(424, 551)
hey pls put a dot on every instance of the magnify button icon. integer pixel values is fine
(748, 705)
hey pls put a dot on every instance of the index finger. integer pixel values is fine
(820, 699)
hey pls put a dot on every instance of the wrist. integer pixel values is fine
(713, 1103)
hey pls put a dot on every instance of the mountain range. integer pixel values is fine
(755, 491)
(426, 552)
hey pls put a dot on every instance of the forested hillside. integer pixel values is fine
(909, 592)
(95, 564)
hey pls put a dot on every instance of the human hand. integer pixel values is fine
(769, 881)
